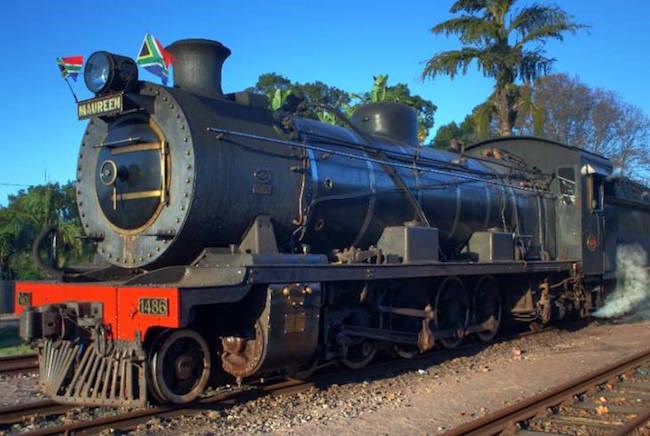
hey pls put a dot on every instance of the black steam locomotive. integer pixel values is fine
(241, 241)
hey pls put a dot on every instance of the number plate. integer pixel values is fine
(153, 306)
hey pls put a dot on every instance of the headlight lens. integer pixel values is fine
(98, 71)
(110, 72)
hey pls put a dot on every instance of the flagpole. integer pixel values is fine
(76, 100)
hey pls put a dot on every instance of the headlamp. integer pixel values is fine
(110, 72)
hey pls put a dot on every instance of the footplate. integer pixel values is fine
(93, 373)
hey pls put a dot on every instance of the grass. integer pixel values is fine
(11, 344)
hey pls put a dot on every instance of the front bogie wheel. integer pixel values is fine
(179, 366)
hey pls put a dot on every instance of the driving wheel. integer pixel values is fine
(452, 312)
(487, 308)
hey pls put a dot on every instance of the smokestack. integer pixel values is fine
(197, 65)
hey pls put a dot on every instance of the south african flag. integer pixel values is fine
(70, 66)
(154, 58)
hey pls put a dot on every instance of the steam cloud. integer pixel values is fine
(632, 292)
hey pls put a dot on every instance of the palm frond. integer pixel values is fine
(538, 23)
(450, 62)
(533, 65)
(483, 115)
(497, 10)
(470, 6)
(470, 29)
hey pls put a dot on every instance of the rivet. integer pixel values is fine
(182, 126)
(157, 248)
(165, 98)
(188, 152)
(185, 139)
(148, 254)
(110, 256)
(189, 166)
(185, 194)
(182, 207)
(187, 180)
(178, 116)
(178, 220)
(81, 156)
(140, 259)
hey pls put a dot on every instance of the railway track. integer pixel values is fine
(612, 400)
(18, 364)
(19, 412)
(127, 421)
(130, 420)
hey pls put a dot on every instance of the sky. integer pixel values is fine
(341, 43)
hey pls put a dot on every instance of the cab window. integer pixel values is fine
(595, 192)
(567, 179)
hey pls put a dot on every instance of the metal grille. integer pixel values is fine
(76, 373)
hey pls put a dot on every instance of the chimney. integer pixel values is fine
(197, 65)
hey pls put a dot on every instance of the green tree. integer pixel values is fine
(463, 133)
(268, 83)
(277, 88)
(27, 214)
(506, 44)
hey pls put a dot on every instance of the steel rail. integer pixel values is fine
(16, 413)
(18, 364)
(505, 419)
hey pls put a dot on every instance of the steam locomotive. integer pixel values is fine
(239, 241)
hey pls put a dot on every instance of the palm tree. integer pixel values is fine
(507, 45)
